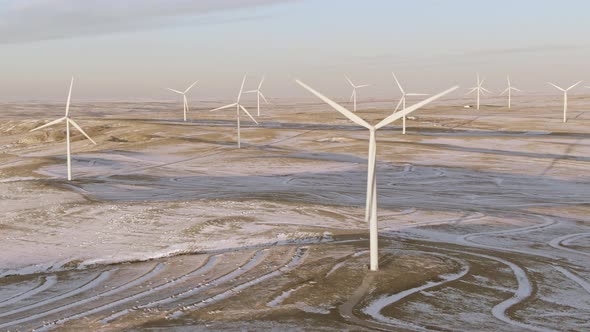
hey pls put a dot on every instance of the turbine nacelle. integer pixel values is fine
(68, 122)
(371, 202)
(239, 107)
(402, 101)
(565, 92)
(354, 88)
(259, 94)
(183, 93)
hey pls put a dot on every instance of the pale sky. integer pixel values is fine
(133, 49)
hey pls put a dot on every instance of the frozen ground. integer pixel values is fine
(484, 220)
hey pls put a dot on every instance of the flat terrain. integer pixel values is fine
(484, 219)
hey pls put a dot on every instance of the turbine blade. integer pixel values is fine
(352, 95)
(353, 117)
(349, 81)
(69, 97)
(399, 104)
(363, 86)
(398, 84)
(179, 92)
(251, 117)
(556, 86)
(505, 91)
(223, 107)
(241, 89)
(263, 97)
(417, 94)
(472, 91)
(80, 130)
(486, 90)
(516, 89)
(370, 177)
(261, 81)
(190, 87)
(249, 91)
(573, 86)
(412, 108)
(48, 124)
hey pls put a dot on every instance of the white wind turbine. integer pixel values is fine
(69, 122)
(402, 101)
(565, 91)
(480, 90)
(354, 88)
(258, 95)
(371, 202)
(238, 108)
(508, 91)
(183, 93)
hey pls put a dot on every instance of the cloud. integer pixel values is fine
(24, 21)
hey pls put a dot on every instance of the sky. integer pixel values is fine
(133, 49)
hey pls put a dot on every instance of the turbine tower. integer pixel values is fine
(354, 88)
(402, 101)
(238, 108)
(508, 91)
(69, 122)
(480, 90)
(183, 93)
(258, 95)
(371, 202)
(565, 91)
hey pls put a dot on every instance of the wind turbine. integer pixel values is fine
(183, 93)
(238, 108)
(371, 202)
(508, 91)
(354, 88)
(565, 91)
(480, 90)
(402, 101)
(69, 122)
(258, 95)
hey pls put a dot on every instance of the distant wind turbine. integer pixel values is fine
(508, 91)
(258, 95)
(402, 101)
(480, 90)
(354, 88)
(371, 202)
(565, 91)
(238, 108)
(183, 93)
(69, 122)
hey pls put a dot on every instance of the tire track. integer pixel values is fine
(468, 238)
(37, 284)
(295, 261)
(522, 293)
(254, 261)
(208, 265)
(150, 274)
(97, 280)
(374, 308)
(583, 283)
(560, 243)
(49, 282)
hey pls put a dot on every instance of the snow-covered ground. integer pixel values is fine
(484, 218)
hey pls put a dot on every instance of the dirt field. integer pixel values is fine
(484, 219)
